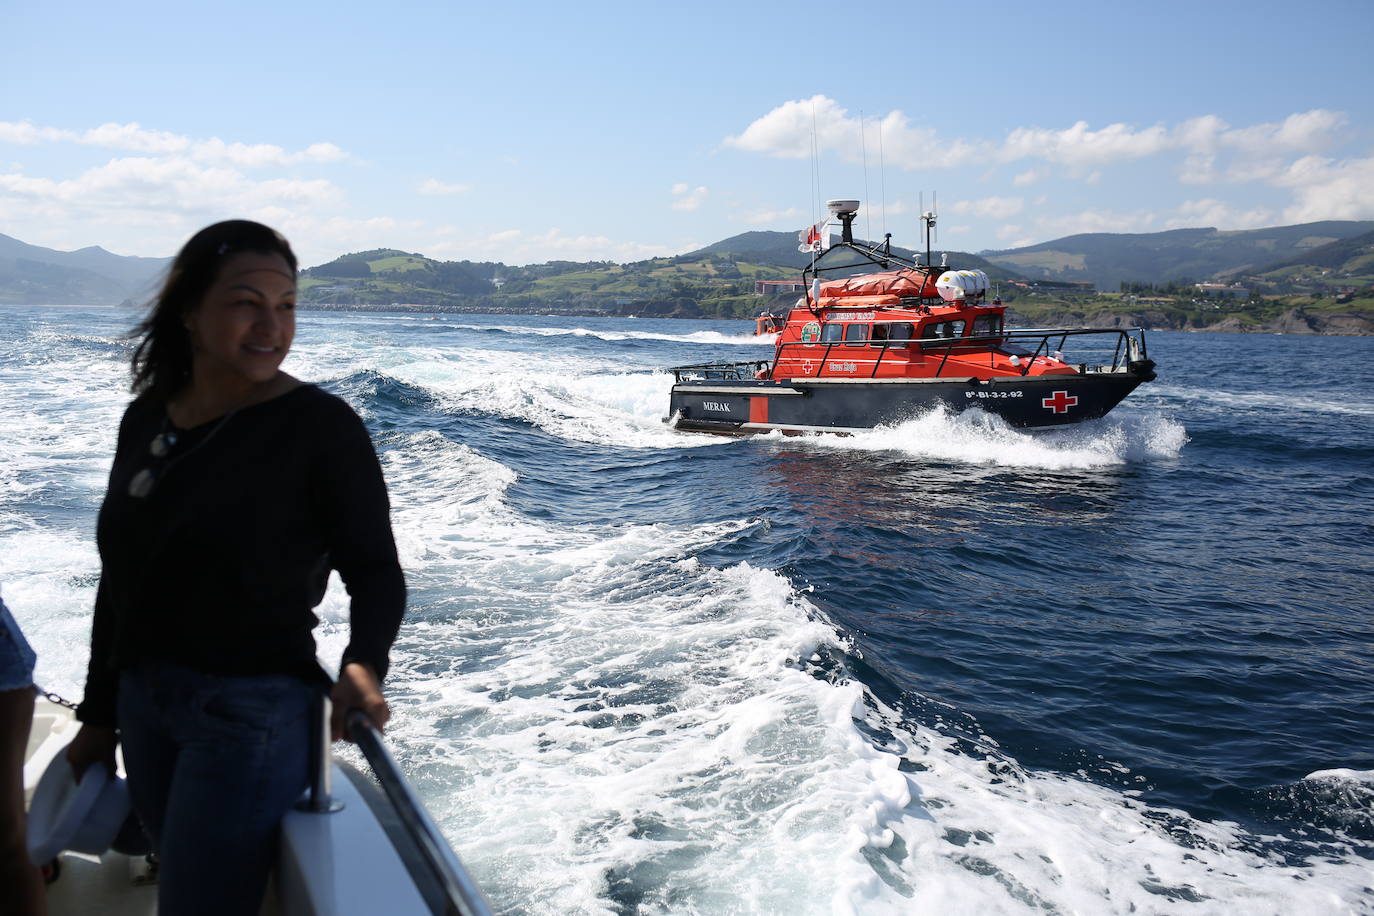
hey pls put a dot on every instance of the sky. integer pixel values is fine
(537, 131)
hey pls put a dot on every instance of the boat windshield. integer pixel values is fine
(986, 325)
(943, 330)
(894, 332)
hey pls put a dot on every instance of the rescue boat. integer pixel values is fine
(880, 338)
(769, 323)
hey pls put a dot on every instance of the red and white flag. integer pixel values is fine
(814, 238)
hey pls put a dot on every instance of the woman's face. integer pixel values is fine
(242, 329)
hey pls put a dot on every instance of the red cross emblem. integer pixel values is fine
(1060, 401)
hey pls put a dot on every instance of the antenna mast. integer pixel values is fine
(928, 217)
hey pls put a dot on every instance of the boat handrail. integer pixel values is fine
(1119, 363)
(741, 371)
(464, 897)
(1129, 347)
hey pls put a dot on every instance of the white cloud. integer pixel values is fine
(1211, 212)
(433, 187)
(688, 198)
(23, 133)
(154, 203)
(1200, 135)
(1305, 132)
(262, 155)
(1213, 151)
(1093, 220)
(1081, 146)
(990, 207)
(771, 217)
(790, 130)
(132, 137)
(1329, 189)
(516, 246)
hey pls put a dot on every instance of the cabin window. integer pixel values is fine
(943, 330)
(896, 332)
(855, 335)
(830, 333)
(987, 325)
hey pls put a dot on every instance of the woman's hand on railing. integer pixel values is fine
(357, 688)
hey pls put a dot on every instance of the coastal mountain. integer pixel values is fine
(1109, 259)
(779, 249)
(88, 276)
(1331, 257)
(1354, 255)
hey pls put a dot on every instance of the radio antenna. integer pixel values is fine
(882, 177)
(863, 145)
(928, 217)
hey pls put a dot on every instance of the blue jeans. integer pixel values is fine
(213, 763)
(16, 658)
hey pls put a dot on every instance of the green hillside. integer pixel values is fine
(1344, 269)
(1109, 259)
(780, 249)
(714, 281)
(689, 285)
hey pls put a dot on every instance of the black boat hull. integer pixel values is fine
(844, 405)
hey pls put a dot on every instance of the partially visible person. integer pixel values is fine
(21, 883)
(235, 489)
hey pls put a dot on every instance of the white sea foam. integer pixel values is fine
(617, 722)
(568, 396)
(1324, 399)
(696, 337)
(976, 437)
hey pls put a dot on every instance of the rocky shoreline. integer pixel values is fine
(1293, 321)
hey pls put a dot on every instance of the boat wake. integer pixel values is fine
(696, 337)
(974, 437)
(728, 745)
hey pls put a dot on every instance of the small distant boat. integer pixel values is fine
(887, 338)
(769, 323)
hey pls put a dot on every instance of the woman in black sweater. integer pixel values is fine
(235, 490)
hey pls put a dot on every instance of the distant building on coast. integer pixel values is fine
(1234, 290)
(775, 287)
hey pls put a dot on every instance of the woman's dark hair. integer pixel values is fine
(162, 360)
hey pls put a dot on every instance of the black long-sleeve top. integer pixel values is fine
(218, 569)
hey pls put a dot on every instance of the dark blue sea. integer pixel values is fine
(948, 667)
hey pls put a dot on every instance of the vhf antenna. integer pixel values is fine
(928, 217)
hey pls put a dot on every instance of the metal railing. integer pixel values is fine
(733, 372)
(1128, 349)
(461, 896)
(464, 897)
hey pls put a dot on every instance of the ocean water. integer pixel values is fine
(948, 667)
